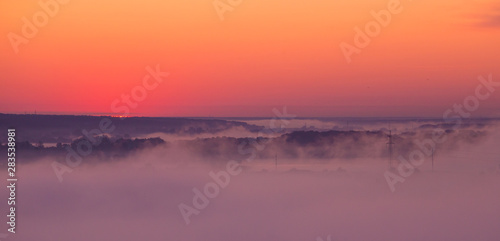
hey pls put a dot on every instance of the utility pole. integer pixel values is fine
(432, 159)
(390, 144)
(276, 161)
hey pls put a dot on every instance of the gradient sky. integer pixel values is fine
(265, 54)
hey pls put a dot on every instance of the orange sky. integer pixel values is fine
(264, 54)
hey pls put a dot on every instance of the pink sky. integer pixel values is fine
(264, 54)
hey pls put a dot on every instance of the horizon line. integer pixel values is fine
(232, 117)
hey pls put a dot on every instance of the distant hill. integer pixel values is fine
(65, 128)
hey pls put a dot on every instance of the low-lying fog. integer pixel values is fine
(348, 199)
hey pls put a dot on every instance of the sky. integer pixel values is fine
(247, 58)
